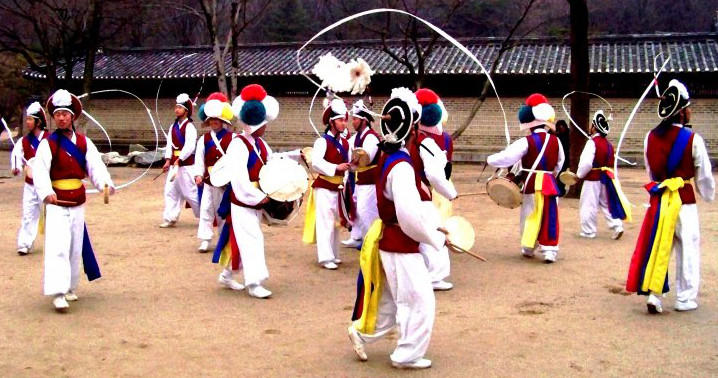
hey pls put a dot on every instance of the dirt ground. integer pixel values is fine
(158, 309)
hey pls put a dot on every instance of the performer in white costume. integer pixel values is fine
(406, 297)
(61, 162)
(22, 153)
(599, 192)
(366, 139)
(210, 148)
(179, 158)
(430, 160)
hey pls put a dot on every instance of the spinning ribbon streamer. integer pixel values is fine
(575, 125)
(431, 26)
(634, 111)
(157, 96)
(154, 127)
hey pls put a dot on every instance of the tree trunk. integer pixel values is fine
(579, 78)
(235, 51)
(95, 11)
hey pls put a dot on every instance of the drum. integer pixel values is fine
(307, 154)
(360, 157)
(283, 180)
(279, 212)
(460, 232)
(568, 178)
(504, 190)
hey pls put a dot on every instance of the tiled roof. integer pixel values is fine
(690, 52)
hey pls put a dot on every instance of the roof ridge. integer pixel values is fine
(532, 39)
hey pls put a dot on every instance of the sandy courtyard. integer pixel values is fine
(158, 310)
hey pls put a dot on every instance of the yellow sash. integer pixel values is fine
(657, 266)
(371, 269)
(337, 180)
(309, 235)
(176, 153)
(532, 224)
(67, 184)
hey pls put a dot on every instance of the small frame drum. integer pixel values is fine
(504, 189)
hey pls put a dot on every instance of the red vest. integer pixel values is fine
(444, 142)
(369, 176)
(414, 148)
(211, 152)
(657, 151)
(28, 151)
(179, 142)
(334, 156)
(64, 166)
(602, 158)
(548, 161)
(393, 239)
(254, 165)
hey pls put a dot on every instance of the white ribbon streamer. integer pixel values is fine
(154, 127)
(633, 114)
(577, 127)
(157, 96)
(436, 29)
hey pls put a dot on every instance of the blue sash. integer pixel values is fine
(338, 146)
(66, 144)
(89, 262)
(210, 144)
(177, 133)
(676, 154)
(398, 155)
(34, 142)
(537, 142)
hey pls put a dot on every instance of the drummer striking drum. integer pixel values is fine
(364, 142)
(210, 147)
(541, 156)
(241, 244)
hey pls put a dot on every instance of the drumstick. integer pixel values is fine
(482, 171)
(471, 194)
(158, 176)
(63, 202)
(106, 194)
(456, 248)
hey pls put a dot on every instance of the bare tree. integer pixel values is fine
(507, 44)
(413, 50)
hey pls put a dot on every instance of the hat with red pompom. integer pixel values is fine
(216, 106)
(432, 110)
(536, 112)
(254, 107)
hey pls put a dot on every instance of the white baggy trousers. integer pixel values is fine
(31, 208)
(246, 223)
(593, 198)
(686, 248)
(181, 189)
(327, 215)
(64, 232)
(408, 303)
(367, 211)
(211, 198)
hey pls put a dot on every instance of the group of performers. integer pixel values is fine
(392, 203)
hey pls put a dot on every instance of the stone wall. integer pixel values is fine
(127, 122)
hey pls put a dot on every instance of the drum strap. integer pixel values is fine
(538, 159)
